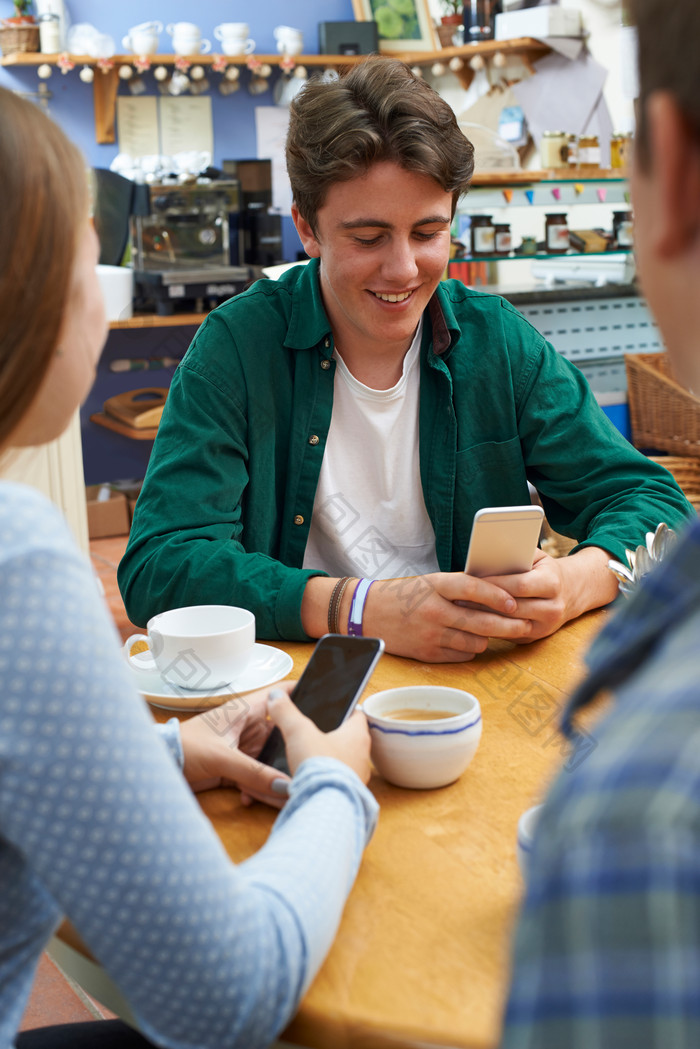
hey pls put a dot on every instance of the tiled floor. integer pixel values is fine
(55, 999)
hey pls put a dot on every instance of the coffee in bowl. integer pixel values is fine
(418, 714)
(423, 736)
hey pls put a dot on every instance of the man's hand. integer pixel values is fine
(418, 616)
(559, 589)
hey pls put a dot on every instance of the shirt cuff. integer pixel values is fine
(170, 734)
(316, 773)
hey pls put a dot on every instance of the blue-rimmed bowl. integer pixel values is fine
(423, 754)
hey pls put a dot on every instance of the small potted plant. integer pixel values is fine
(450, 21)
(20, 32)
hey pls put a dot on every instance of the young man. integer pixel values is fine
(608, 950)
(348, 420)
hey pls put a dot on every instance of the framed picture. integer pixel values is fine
(402, 25)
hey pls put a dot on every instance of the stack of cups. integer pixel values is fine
(234, 38)
(187, 39)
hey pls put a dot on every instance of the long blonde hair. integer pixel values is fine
(43, 205)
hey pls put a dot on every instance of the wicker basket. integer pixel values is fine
(686, 471)
(663, 416)
(14, 38)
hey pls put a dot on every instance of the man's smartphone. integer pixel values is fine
(504, 540)
(329, 688)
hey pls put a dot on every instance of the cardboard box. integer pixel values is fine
(539, 22)
(107, 511)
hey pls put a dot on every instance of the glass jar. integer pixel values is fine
(623, 229)
(557, 234)
(502, 238)
(589, 152)
(49, 34)
(483, 235)
(553, 149)
(620, 151)
(572, 151)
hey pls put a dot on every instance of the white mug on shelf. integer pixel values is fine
(234, 38)
(187, 39)
(143, 39)
(290, 41)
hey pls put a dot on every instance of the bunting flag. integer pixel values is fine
(508, 194)
(530, 195)
(556, 193)
(627, 196)
(578, 188)
(602, 194)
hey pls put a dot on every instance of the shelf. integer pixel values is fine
(106, 84)
(147, 433)
(554, 176)
(517, 257)
(156, 320)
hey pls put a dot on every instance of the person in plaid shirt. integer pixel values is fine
(607, 952)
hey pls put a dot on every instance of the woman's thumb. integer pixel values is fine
(280, 709)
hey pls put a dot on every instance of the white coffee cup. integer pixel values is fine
(289, 40)
(234, 38)
(143, 39)
(191, 45)
(526, 832)
(199, 647)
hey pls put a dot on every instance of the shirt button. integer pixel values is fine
(325, 364)
(313, 439)
(298, 519)
(327, 341)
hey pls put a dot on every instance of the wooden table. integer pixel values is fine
(421, 956)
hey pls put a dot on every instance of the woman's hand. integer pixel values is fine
(350, 743)
(221, 746)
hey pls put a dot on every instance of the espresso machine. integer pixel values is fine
(185, 245)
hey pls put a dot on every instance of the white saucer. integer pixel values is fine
(267, 665)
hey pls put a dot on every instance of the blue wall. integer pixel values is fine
(234, 119)
(234, 128)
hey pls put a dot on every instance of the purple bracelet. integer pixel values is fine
(357, 607)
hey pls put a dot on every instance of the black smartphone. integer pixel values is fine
(332, 682)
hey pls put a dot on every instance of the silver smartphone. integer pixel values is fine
(504, 540)
(328, 690)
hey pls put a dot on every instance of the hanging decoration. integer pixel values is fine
(507, 195)
(65, 63)
(142, 63)
(529, 195)
(105, 65)
(87, 74)
(602, 194)
(44, 71)
(219, 63)
(125, 72)
(556, 193)
(578, 188)
(455, 64)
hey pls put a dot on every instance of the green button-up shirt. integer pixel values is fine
(225, 510)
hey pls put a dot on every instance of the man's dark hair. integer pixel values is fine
(378, 111)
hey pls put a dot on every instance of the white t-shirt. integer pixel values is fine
(369, 517)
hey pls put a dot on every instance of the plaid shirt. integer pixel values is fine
(607, 954)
